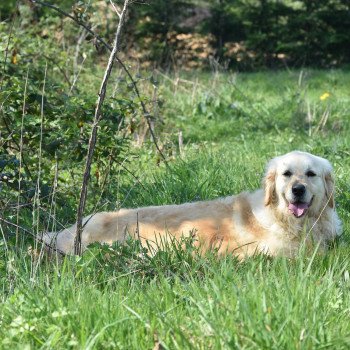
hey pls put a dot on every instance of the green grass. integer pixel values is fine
(118, 298)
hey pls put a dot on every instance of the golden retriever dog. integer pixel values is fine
(294, 207)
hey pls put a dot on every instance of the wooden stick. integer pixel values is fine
(93, 136)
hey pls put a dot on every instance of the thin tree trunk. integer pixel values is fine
(93, 136)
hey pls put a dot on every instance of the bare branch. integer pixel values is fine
(78, 21)
(115, 9)
(129, 172)
(93, 136)
(21, 152)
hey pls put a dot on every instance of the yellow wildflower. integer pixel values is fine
(14, 58)
(325, 96)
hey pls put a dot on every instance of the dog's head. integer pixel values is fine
(299, 184)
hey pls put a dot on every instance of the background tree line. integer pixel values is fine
(245, 34)
(251, 33)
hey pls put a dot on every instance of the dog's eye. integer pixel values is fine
(310, 173)
(287, 173)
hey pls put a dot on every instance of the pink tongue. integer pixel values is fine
(298, 209)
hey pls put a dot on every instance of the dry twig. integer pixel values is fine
(93, 136)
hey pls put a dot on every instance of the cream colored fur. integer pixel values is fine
(243, 225)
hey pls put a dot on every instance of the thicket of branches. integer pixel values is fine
(47, 114)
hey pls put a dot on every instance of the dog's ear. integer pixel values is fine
(330, 188)
(269, 186)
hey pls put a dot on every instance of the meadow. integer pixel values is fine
(120, 298)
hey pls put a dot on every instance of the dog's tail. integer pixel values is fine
(57, 242)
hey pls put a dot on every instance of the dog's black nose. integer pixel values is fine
(298, 190)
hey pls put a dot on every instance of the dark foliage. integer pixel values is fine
(246, 34)
(249, 34)
(45, 120)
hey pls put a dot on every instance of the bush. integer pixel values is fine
(45, 118)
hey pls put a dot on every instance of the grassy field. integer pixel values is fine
(118, 298)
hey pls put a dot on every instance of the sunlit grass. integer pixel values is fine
(120, 298)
